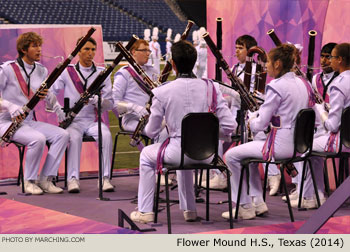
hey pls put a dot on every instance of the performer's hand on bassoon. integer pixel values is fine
(43, 93)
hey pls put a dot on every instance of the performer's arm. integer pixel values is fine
(337, 101)
(154, 125)
(266, 111)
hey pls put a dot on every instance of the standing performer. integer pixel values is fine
(173, 101)
(75, 80)
(202, 55)
(286, 95)
(155, 48)
(18, 81)
(168, 44)
(339, 99)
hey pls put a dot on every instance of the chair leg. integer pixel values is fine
(341, 171)
(326, 178)
(167, 202)
(66, 168)
(207, 197)
(286, 192)
(21, 172)
(335, 173)
(265, 180)
(346, 167)
(113, 155)
(302, 185)
(156, 201)
(229, 197)
(196, 183)
(314, 183)
(239, 190)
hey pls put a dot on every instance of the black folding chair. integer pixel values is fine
(123, 132)
(303, 139)
(344, 140)
(21, 150)
(199, 141)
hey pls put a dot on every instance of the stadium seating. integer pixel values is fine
(119, 18)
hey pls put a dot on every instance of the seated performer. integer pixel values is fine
(174, 100)
(19, 79)
(339, 99)
(129, 98)
(75, 80)
(243, 44)
(321, 82)
(286, 95)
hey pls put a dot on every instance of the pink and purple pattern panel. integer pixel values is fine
(291, 20)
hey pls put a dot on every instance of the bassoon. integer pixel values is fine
(260, 73)
(311, 54)
(135, 138)
(94, 87)
(47, 83)
(237, 83)
(167, 68)
(318, 96)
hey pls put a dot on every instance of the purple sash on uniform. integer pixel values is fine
(79, 86)
(211, 108)
(268, 148)
(214, 102)
(22, 83)
(312, 98)
(75, 79)
(329, 146)
(320, 88)
(137, 79)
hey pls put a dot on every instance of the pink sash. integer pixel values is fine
(22, 83)
(79, 85)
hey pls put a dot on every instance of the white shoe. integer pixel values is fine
(294, 195)
(274, 184)
(216, 182)
(32, 188)
(260, 208)
(162, 180)
(137, 216)
(243, 213)
(307, 203)
(106, 185)
(48, 187)
(190, 215)
(73, 185)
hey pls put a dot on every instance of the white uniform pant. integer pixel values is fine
(156, 65)
(34, 135)
(76, 131)
(148, 162)
(319, 144)
(254, 150)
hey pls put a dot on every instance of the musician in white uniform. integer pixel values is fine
(174, 100)
(321, 82)
(339, 99)
(19, 80)
(286, 95)
(129, 97)
(74, 81)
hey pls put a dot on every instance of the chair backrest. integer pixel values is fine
(345, 128)
(199, 136)
(304, 131)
